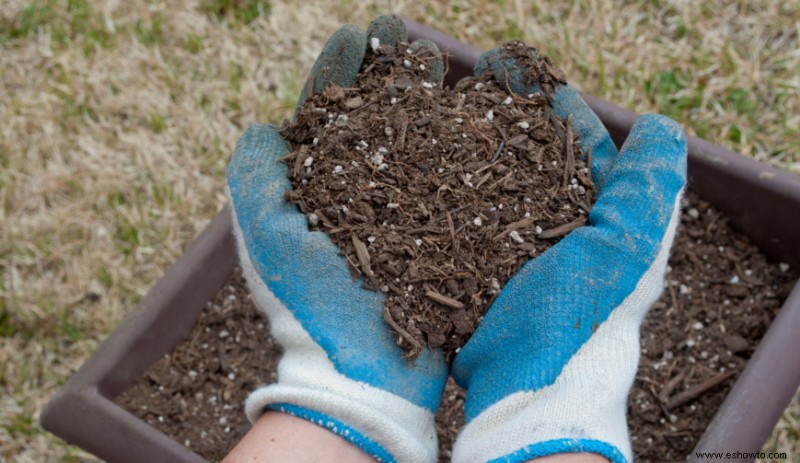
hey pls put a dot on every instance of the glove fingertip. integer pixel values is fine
(482, 65)
(338, 63)
(388, 29)
(643, 189)
(657, 139)
(661, 126)
(507, 69)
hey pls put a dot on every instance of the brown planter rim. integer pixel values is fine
(761, 201)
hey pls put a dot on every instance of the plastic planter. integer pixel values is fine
(761, 201)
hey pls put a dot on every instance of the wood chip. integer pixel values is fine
(444, 300)
(362, 254)
(697, 390)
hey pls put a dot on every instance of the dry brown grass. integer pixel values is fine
(118, 119)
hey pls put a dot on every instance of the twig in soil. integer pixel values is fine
(663, 396)
(468, 118)
(674, 298)
(387, 317)
(400, 144)
(483, 179)
(326, 222)
(698, 389)
(556, 125)
(499, 150)
(589, 161)
(506, 177)
(444, 300)
(526, 222)
(562, 229)
(569, 166)
(451, 226)
(487, 166)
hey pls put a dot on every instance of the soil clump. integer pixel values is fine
(437, 196)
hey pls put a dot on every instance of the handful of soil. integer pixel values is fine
(437, 196)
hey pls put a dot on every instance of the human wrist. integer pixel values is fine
(571, 458)
(280, 437)
(381, 424)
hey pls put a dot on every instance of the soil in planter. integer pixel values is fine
(720, 296)
(196, 394)
(437, 196)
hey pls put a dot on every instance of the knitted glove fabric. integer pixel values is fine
(341, 368)
(551, 365)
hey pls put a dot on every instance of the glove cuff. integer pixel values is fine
(582, 411)
(389, 429)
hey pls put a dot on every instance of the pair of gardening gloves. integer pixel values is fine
(550, 367)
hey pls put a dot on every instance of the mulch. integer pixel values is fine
(720, 295)
(437, 196)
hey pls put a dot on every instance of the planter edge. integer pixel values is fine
(162, 319)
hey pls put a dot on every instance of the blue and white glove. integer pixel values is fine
(342, 368)
(550, 367)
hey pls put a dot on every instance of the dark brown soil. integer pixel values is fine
(436, 196)
(720, 296)
(196, 395)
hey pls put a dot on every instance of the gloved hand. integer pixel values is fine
(550, 367)
(341, 368)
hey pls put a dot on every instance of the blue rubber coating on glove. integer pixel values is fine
(338, 63)
(551, 307)
(360, 440)
(559, 446)
(304, 271)
(567, 103)
(388, 29)
(435, 65)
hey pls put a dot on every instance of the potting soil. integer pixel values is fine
(437, 196)
(720, 295)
